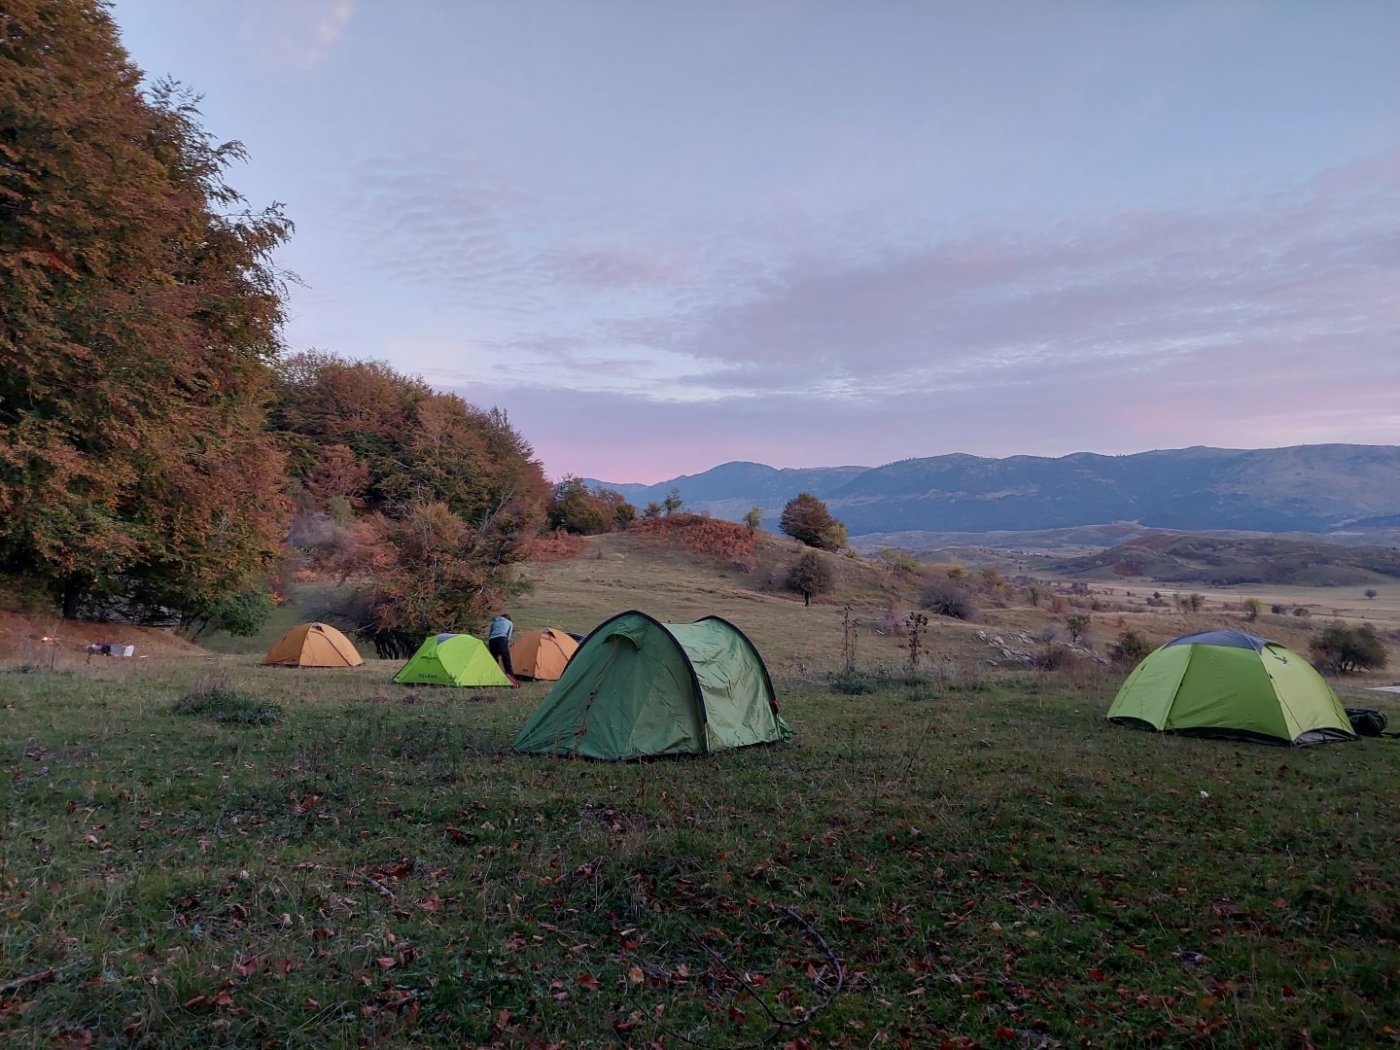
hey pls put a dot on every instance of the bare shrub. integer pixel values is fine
(1052, 657)
(946, 596)
(723, 539)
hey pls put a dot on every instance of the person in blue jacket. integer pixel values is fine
(498, 643)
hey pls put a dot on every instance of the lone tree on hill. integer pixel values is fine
(806, 518)
(809, 575)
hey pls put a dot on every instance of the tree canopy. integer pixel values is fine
(141, 316)
(576, 508)
(1346, 648)
(807, 518)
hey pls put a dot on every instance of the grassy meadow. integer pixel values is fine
(201, 851)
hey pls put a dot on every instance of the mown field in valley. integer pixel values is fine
(199, 851)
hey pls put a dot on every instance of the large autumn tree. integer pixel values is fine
(139, 317)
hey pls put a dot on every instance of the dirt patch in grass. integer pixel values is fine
(53, 641)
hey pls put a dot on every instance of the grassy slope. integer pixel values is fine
(619, 572)
(964, 858)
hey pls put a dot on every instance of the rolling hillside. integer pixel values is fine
(1223, 562)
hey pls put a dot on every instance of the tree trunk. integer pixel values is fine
(74, 587)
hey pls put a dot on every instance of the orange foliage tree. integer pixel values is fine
(141, 315)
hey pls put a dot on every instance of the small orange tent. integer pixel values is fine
(313, 645)
(541, 654)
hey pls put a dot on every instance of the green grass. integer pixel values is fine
(961, 860)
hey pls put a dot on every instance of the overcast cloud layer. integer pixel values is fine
(662, 236)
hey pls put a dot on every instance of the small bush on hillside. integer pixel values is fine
(1345, 649)
(809, 575)
(897, 560)
(1078, 626)
(1129, 648)
(1052, 656)
(1278, 610)
(228, 707)
(945, 596)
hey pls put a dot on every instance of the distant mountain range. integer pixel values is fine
(1305, 488)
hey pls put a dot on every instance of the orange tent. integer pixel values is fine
(313, 645)
(541, 654)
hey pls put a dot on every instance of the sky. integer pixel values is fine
(662, 235)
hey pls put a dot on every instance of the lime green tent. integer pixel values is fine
(452, 659)
(1233, 684)
(637, 687)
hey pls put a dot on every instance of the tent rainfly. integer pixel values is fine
(313, 645)
(638, 687)
(542, 654)
(1228, 683)
(452, 659)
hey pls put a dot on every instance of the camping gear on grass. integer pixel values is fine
(638, 687)
(542, 654)
(1367, 721)
(313, 645)
(1229, 683)
(452, 659)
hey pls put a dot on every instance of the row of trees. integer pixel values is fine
(156, 448)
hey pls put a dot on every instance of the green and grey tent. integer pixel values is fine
(1230, 683)
(452, 659)
(638, 687)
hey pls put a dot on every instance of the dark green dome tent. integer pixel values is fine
(452, 659)
(1230, 683)
(638, 687)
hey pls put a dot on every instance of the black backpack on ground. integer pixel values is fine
(1367, 721)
